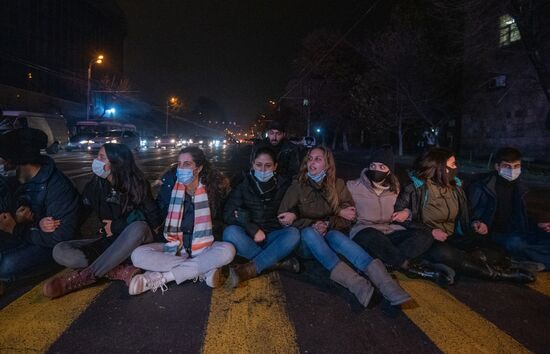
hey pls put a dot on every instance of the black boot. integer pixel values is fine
(291, 265)
(483, 270)
(440, 274)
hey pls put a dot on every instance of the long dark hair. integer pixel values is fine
(217, 185)
(128, 179)
(432, 165)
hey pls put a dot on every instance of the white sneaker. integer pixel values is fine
(147, 281)
(213, 278)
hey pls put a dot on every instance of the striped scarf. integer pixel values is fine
(202, 230)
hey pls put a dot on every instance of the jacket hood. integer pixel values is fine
(418, 183)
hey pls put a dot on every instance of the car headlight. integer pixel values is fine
(184, 141)
(173, 141)
(158, 141)
(114, 141)
(225, 141)
(190, 141)
(200, 141)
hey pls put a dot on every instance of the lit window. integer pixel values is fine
(509, 31)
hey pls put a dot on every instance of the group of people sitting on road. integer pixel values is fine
(285, 209)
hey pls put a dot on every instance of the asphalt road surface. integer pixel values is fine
(276, 312)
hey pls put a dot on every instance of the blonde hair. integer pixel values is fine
(329, 182)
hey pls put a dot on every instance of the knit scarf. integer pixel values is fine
(202, 230)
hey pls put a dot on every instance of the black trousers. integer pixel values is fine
(457, 248)
(394, 248)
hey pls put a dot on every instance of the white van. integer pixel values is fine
(53, 125)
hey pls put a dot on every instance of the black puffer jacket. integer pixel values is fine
(49, 193)
(100, 197)
(248, 207)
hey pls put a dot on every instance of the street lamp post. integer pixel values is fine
(172, 101)
(97, 60)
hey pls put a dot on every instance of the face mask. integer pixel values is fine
(509, 174)
(317, 178)
(2, 170)
(185, 175)
(263, 176)
(98, 167)
(377, 176)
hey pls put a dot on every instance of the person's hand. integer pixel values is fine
(400, 216)
(348, 213)
(439, 235)
(545, 226)
(23, 215)
(260, 236)
(107, 227)
(49, 224)
(7, 223)
(321, 227)
(480, 228)
(286, 219)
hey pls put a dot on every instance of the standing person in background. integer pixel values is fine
(374, 194)
(287, 154)
(191, 198)
(251, 212)
(499, 210)
(320, 205)
(120, 195)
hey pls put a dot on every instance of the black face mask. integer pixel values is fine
(451, 173)
(377, 176)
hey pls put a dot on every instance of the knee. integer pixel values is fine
(228, 252)
(232, 233)
(66, 255)
(309, 235)
(369, 235)
(8, 268)
(138, 230)
(138, 255)
(293, 235)
(515, 243)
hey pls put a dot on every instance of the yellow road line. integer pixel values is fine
(542, 284)
(451, 325)
(250, 319)
(33, 322)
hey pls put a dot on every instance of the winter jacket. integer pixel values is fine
(309, 203)
(248, 207)
(373, 210)
(99, 196)
(289, 157)
(415, 196)
(49, 193)
(482, 199)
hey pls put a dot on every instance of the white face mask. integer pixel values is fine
(509, 174)
(98, 167)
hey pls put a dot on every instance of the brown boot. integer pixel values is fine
(66, 283)
(291, 265)
(241, 272)
(124, 272)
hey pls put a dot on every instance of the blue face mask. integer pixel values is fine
(98, 167)
(317, 178)
(263, 176)
(185, 175)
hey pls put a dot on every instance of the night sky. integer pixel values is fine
(238, 53)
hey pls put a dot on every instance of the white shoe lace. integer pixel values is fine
(159, 283)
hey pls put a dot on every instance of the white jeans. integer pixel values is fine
(151, 257)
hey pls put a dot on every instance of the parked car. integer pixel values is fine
(53, 125)
(149, 142)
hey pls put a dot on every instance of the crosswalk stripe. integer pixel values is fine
(452, 325)
(250, 319)
(542, 284)
(33, 322)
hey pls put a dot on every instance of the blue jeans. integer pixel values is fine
(326, 249)
(533, 246)
(277, 245)
(18, 256)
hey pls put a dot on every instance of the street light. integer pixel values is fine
(172, 101)
(97, 60)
